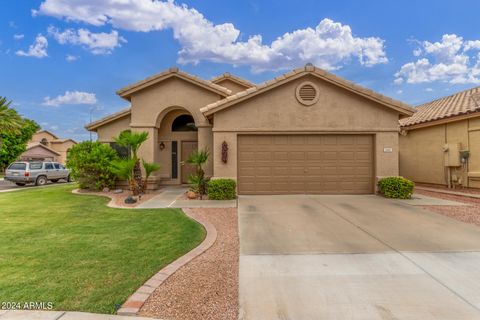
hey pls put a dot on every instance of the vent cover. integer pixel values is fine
(307, 93)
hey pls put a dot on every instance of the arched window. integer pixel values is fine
(184, 122)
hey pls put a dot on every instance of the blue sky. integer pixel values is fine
(61, 59)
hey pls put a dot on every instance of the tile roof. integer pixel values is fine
(111, 117)
(233, 78)
(31, 145)
(294, 74)
(128, 90)
(461, 103)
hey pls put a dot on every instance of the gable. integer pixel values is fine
(278, 109)
(233, 86)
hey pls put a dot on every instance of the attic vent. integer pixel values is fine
(307, 93)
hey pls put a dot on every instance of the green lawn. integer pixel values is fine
(81, 255)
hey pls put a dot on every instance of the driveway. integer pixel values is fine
(355, 257)
(8, 186)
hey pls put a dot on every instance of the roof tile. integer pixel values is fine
(460, 103)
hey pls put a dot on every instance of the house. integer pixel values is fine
(307, 131)
(46, 146)
(440, 144)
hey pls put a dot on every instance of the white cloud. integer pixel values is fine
(71, 98)
(18, 36)
(71, 58)
(329, 45)
(451, 60)
(97, 43)
(429, 90)
(38, 49)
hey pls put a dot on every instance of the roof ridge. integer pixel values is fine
(228, 75)
(449, 96)
(171, 71)
(309, 68)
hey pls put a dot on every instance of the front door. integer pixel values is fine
(187, 169)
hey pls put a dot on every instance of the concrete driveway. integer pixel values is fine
(355, 257)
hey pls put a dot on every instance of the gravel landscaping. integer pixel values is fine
(207, 287)
(468, 214)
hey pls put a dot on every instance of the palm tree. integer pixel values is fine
(199, 158)
(149, 169)
(133, 141)
(124, 170)
(10, 120)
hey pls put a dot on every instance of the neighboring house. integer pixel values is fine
(449, 126)
(46, 146)
(307, 131)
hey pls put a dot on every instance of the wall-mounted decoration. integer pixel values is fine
(224, 152)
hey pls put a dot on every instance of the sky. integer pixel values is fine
(62, 61)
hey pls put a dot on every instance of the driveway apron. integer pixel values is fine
(354, 257)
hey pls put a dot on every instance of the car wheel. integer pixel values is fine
(20, 184)
(54, 180)
(69, 178)
(41, 181)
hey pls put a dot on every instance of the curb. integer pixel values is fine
(110, 204)
(134, 303)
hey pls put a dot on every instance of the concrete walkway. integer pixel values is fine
(454, 192)
(355, 257)
(422, 200)
(60, 315)
(170, 198)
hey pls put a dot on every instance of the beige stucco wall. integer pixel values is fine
(336, 111)
(62, 148)
(229, 84)
(108, 131)
(38, 136)
(422, 156)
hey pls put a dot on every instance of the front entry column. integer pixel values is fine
(205, 141)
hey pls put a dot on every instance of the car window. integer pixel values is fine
(57, 165)
(17, 166)
(62, 167)
(48, 166)
(35, 165)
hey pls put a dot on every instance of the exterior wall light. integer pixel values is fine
(162, 145)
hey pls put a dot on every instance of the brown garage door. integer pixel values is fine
(316, 164)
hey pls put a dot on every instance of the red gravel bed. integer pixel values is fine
(469, 214)
(436, 186)
(207, 287)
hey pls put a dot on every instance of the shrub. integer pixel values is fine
(90, 163)
(222, 189)
(396, 187)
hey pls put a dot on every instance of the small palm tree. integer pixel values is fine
(197, 181)
(124, 170)
(149, 169)
(134, 140)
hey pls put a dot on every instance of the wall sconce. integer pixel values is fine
(162, 145)
(224, 152)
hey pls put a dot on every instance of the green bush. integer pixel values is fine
(396, 187)
(90, 164)
(222, 189)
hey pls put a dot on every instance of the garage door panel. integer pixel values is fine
(318, 164)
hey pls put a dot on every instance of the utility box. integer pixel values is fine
(452, 154)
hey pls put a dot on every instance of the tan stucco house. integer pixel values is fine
(307, 131)
(440, 143)
(46, 146)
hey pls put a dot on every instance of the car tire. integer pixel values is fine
(41, 181)
(54, 180)
(20, 184)
(69, 178)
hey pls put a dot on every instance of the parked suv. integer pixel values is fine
(38, 172)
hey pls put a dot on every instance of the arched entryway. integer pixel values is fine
(177, 139)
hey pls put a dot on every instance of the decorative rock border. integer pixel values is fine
(135, 302)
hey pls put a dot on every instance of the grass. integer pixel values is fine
(81, 255)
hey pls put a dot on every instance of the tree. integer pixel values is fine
(197, 181)
(14, 142)
(134, 140)
(10, 120)
(90, 163)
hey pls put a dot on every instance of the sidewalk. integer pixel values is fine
(170, 198)
(60, 315)
(455, 193)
